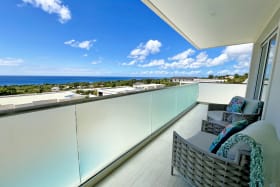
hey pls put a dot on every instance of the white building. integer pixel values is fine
(55, 89)
(182, 79)
(210, 80)
(25, 100)
(117, 90)
(141, 86)
(188, 80)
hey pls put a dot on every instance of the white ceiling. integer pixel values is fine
(212, 23)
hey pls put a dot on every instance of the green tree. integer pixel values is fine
(210, 76)
(236, 76)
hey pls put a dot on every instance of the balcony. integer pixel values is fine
(77, 143)
(152, 165)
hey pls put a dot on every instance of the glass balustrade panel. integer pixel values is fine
(109, 128)
(39, 149)
(164, 103)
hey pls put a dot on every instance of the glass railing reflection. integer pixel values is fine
(109, 128)
(67, 145)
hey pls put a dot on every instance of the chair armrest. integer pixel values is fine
(213, 106)
(243, 157)
(213, 127)
(240, 116)
(227, 116)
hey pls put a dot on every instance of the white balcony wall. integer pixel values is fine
(220, 93)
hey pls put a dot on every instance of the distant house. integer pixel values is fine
(55, 89)
(142, 86)
(209, 80)
(229, 77)
(187, 80)
(183, 79)
(117, 90)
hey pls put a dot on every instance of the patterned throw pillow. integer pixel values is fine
(228, 131)
(236, 104)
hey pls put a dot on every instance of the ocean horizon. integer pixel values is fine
(37, 80)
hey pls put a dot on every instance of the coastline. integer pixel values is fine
(10, 80)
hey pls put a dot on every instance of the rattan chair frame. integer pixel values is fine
(202, 168)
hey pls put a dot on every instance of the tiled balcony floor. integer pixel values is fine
(150, 167)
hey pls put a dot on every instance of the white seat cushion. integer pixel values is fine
(202, 140)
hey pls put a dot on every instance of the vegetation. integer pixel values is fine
(87, 92)
(78, 86)
(24, 89)
(235, 79)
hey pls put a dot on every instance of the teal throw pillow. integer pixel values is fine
(236, 104)
(227, 132)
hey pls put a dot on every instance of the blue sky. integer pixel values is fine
(103, 38)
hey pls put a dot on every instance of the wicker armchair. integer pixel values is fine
(212, 127)
(202, 168)
(252, 111)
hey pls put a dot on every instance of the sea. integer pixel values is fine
(36, 80)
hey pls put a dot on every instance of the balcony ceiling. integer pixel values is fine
(215, 23)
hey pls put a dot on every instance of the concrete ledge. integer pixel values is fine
(43, 106)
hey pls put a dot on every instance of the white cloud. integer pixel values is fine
(96, 61)
(242, 65)
(219, 60)
(140, 53)
(85, 55)
(10, 61)
(157, 72)
(163, 72)
(87, 44)
(188, 73)
(240, 53)
(129, 63)
(239, 50)
(181, 60)
(184, 60)
(199, 61)
(240, 71)
(52, 7)
(237, 56)
(210, 72)
(70, 42)
(178, 64)
(183, 55)
(153, 63)
(232, 71)
(237, 53)
(224, 72)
